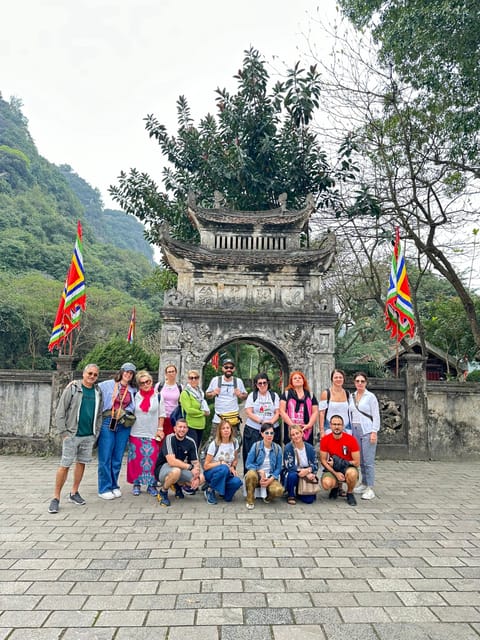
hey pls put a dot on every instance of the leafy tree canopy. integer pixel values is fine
(435, 47)
(257, 146)
(115, 352)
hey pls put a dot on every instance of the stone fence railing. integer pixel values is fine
(420, 420)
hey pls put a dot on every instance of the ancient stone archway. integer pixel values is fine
(249, 280)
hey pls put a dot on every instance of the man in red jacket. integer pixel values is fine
(340, 457)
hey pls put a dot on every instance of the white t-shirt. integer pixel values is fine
(146, 424)
(226, 401)
(225, 452)
(263, 407)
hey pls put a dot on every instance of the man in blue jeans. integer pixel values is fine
(78, 419)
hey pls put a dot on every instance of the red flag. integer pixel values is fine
(74, 298)
(131, 328)
(215, 360)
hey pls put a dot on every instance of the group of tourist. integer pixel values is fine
(162, 426)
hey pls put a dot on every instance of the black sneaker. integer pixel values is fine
(54, 506)
(76, 498)
(178, 492)
(351, 500)
(189, 491)
(333, 495)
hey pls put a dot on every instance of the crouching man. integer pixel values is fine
(177, 463)
(340, 457)
(263, 466)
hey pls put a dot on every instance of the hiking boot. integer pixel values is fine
(76, 498)
(178, 492)
(54, 506)
(333, 495)
(210, 496)
(163, 499)
(351, 500)
(152, 490)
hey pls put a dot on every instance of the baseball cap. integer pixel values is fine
(228, 361)
(128, 366)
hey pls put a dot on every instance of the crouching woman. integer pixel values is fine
(220, 467)
(300, 461)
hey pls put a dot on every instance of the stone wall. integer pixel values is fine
(28, 400)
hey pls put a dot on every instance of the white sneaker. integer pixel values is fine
(360, 489)
(250, 505)
(368, 494)
(108, 495)
(117, 493)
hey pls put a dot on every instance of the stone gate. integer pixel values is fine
(249, 280)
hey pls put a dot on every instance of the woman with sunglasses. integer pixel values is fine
(143, 443)
(262, 406)
(194, 406)
(365, 420)
(169, 391)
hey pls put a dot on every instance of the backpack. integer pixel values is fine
(219, 382)
(162, 384)
(272, 395)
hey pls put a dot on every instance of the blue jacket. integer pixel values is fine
(256, 456)
(290, 459)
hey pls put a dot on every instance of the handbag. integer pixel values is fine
(306, 487)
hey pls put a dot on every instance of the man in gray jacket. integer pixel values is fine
(78, 419)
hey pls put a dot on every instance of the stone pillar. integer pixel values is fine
(416, 407)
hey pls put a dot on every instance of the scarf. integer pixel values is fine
(196, 393)
(299, 401)
(146, 399)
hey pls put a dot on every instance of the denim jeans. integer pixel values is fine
(221, 480)
(111, 447)
(367, 456)
(291, 483)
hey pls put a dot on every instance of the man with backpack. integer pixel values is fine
(228, 391)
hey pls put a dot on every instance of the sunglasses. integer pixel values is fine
(360, 381)
(193, 377)
(95, 375)
(268, 433)
(262, 382)
(145, 382)
(229, 367)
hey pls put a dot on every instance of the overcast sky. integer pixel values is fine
(89, 71)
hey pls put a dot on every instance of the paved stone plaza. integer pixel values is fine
(405, 566)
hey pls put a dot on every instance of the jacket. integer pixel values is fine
(290, 458)
(256, 456)
(68, 409)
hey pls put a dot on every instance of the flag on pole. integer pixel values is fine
(74, 298)
(131, 328)
(399, 317)
(215, 360)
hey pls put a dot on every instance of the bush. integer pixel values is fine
(474, 376)
(115, 352)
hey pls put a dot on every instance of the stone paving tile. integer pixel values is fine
(350, 632)
(411, 614)
(305, 632)
(36, 634)
(92, 634)
(169, 617)
(245, 633)
(219, 616)
(316, 615)
(455, 614)
(433, 631)
(60, 602)
(199, 633)
(146, 633)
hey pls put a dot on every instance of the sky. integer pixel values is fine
(88, 72)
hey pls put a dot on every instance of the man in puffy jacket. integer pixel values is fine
(78, 419)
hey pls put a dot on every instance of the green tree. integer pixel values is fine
(435, 48)
(259, 145)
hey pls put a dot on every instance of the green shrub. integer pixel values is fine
(474, 376)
